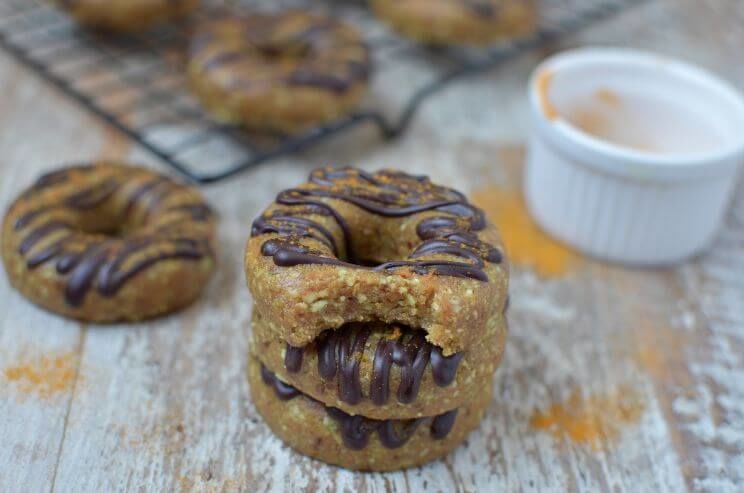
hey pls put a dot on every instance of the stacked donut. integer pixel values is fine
(378, 317)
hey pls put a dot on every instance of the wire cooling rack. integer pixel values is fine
(136, 82)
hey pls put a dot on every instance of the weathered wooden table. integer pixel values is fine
(614, 380)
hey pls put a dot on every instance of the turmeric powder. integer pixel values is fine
(45, 376)
(591, 421)
(525, 243)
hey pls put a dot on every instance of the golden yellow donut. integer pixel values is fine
(284, 72)
(382, 386)
(109, 242)
(358, 442)
(125, 15)
(351, 246)
(445, 22)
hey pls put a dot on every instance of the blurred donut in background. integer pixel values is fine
(456, 22)
(282, 72)
(125, 15)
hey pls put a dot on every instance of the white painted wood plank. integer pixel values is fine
(34, 395)
(712, 412)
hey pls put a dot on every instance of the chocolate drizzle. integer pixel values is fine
(385, 193)
(94, 196)
(340, 352)
(55, 177)
(282, 390)
(442, 424)
(288, 223)
(293, 358)
(93, 259)
(356, 430)
(482, 8)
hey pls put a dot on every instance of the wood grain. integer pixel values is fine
(164, 406)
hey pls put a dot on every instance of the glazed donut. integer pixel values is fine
(125, 15)
(444, 22)
(284, 72)
(109, 242)
(389, 371)
(350, 246)
(357, 442)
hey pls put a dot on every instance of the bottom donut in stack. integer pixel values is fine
(372, 396)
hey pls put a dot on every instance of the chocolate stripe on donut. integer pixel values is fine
(93, 196)
(339, 352)
(482, 8)
(199, 212)
(287, 224)
(56, 177)
(282, 390)
(92, 260)
(356, 430)
(385, 193)
(40, 233)
(140, 192)
(112, 275)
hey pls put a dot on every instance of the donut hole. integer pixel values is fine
(284, 49)
(369, 240)
(103, 224)
(374, 240)
(363, 262)
(108, 221)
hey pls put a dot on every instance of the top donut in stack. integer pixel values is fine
(379, 300)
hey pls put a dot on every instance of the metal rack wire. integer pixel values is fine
(136, 83)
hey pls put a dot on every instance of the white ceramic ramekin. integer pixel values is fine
(615, 202)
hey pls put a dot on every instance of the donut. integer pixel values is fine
(351, 246)
(378, 317)
(390, 371)
(453, 22)
(125, 15)
(357, 442)
(282, 72)
(109, 242)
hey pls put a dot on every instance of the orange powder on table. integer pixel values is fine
(593, 421)
(45, 376)
(525, 243)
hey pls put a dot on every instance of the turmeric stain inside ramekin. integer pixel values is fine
(542, 86)
(594, 421)
(44, 376)
(525, 243)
